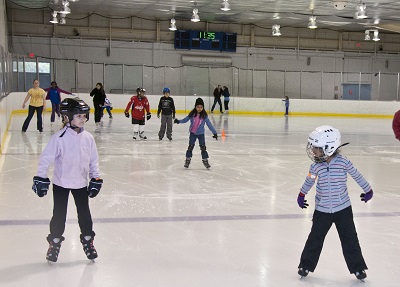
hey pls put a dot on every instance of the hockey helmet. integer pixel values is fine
(73, 106)
(166, 90)
(138, 90)
(327, 139)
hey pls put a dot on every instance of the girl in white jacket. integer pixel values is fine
(73, 152)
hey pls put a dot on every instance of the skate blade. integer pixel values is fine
(362, 280)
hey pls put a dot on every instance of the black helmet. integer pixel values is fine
(74, 106)
(138, 90)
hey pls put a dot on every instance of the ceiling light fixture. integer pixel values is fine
(376, 36)
(172, 27)
(368, 37)
(225, 6)
(195, 16)
(276, 30)
(312, 24)
(361, 12)
(62, 19)
(54, 15)
(65, 9)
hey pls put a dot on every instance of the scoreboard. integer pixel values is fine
(203, 40)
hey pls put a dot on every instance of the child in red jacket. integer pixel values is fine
(139, 104)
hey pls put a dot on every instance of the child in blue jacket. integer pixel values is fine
(198, 117)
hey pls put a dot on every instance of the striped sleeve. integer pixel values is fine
(356, 175)
(309, 182)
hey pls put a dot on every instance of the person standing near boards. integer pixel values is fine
(37, 103)
(226, 94)
(99, 96)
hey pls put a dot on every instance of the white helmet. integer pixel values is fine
(326, 138)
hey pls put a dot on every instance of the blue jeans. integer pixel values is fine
(202, 143)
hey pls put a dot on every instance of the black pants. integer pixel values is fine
(31, 111)
(217, 100)
(344, 223)
(60, 197)
(98, 113)
(226, 104)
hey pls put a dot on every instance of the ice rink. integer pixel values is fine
(236, 225)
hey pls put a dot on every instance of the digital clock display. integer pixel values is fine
(207, 35)
(216, 41)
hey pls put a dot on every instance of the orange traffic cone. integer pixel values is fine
(223, 134)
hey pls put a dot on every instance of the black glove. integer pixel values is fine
(215, 136)
(158, 115)
(94, 187)
(176, 121)
(148, 116)
(366, 196)
(40, 185)
(126, 114)
(173, 116)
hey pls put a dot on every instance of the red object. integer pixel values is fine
(31, 55)
(139, 106)
(396, 125)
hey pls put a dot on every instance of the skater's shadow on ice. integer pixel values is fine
(18, 273)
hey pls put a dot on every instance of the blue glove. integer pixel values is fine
(367, 196)
(301, 201)
(40, 185)
(94, 187)
(148, 116)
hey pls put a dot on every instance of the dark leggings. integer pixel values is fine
(55, 109)
(60, 197)
(31, 111)
(344, 223)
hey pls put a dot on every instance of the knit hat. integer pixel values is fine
(199, 101)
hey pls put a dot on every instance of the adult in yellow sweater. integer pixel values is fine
(37, 103)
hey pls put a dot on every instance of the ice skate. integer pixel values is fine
(361, 275)
(54, 249)
(135, 135)
(302, 272)
(88, 248)
(206, 164)
(170, 138)
(142, 136)
(187, 162)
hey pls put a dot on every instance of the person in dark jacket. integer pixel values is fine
(226, 94)
(99, 97)
(54, 95)
(217, 98)
(166, 107)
